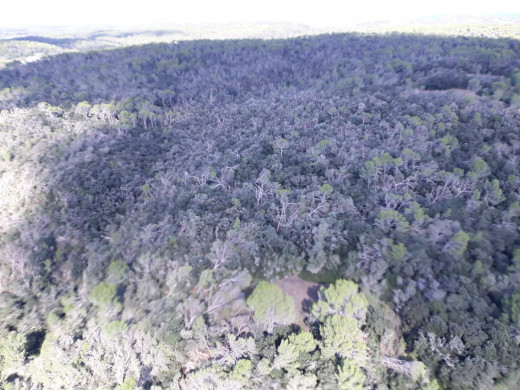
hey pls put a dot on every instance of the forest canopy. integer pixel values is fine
(154, 199)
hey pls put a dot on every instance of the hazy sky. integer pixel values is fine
(18, 13)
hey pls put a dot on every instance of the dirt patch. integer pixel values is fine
(303, 293)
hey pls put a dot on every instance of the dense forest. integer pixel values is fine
(331, 212)
(32, 44)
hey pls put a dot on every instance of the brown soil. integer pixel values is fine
(303, 293)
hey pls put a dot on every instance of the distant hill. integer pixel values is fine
(31, 43)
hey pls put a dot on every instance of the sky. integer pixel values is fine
(23, 13)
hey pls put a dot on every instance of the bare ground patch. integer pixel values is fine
(303, 293)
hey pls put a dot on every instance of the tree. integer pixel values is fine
(240, 347)
(342, 337)
(241, 371)
(290, 349)
(271, 306)
(103, 294)
(457, 245)
(319, 253)
(83, 109)
(343, 298)
(210, 378)
(302, 382)
(280, 145)
(12, 354)
(350, 376)
(492, 193)
(512, 308)
(389, 220)
(413, 369)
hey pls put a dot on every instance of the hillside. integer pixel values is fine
(153, 199)
(31, 44)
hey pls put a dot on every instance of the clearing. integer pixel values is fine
(303, 293)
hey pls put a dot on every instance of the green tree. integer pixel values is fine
(492, 193)
(83, 109)
(117, 271)
(287, 356)
(103, 294)
(512, 308)
(12, 354)
(301, 381)
(457, 245)
(412, 369)
(130, 383)
(271, 306)
(397, 252)
(350, 376)
(479, 169)
(241, 371)
(343, 298)
(389, 220)
(280, 145)
(290, 349)
(342, 337)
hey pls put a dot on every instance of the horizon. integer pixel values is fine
(330, 13)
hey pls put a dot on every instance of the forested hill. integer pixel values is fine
(152, 197)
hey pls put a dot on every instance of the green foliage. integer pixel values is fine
(115, 329)
(344, 298)
(103, 294)
(290, 350)
(318, 255)
(398, 251)
(12, 353)
(146, 189)
(389, 220)
(280, 145)
(206, 278)
(478, 268)
(431, 385)
(512, 308)
(241, 370)
(479, 167)
(418, 213)
(7, 155)
(449, 143)
(117, 271)
(68, 302)
(302, 382)
(350, 376)
(458, 244)
(187, 167)
(287, 356)
(342, 337)
(304, 342)
(271, 306)
(418, 371)
(130, 383)
(516, 258)
(514, 210)
(326, 189)
(493, 194)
